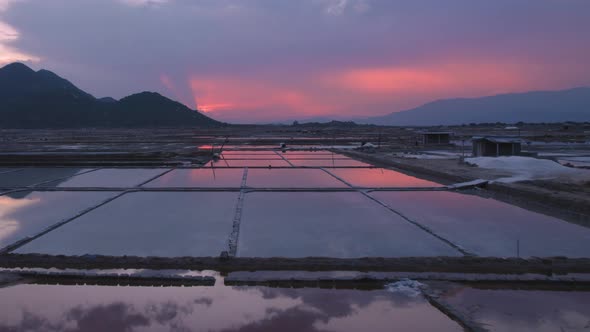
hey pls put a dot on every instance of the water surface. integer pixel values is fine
(524, 310)
(120, 177)
(291, 178)
(331, 224)
(491, 228)
(380, 177)
(54, 308)
(26, 213)
(167, 224)
(199, 177)
(32, 176)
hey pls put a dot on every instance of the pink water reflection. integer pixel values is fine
(381, 178)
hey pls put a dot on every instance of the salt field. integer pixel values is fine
(487, 227)
(254, 210)
(146, 224)
(294, 166)
(33, 176)
(111, 232)
(523, 310)
(379, 177)
(25, 214)
(297, 225)
(199, 177)
(291, 178)
(111, 178)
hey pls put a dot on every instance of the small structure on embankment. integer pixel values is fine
(496, 146)
(435, 137)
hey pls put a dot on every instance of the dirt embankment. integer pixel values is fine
(570, 202)
(484, 265)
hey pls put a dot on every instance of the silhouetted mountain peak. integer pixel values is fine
(107, 100)
(43, 99)
(16, 68)
(146, 95)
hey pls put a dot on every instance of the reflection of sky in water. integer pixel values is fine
(31, 176)
(25, 214)
(328, 163)
(166, 224)
(328, 224)
(257, 163)
(200, 177)
(218, 308)
(524, 310)
(290, 178)
(497, 227)
(380, 178)
(112, 178)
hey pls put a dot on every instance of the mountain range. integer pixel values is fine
(42, 99)
(533, 107)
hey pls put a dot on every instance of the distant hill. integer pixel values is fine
(538, 106)
(42, 99)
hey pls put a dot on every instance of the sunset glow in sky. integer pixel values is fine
(270, 60)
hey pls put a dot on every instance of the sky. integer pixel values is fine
(247, 61)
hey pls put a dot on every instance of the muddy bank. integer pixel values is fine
(548, 266)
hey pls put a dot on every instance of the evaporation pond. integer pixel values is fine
(199, 177)
(329, 224)
(31, 176)
(310, 154)
(488, 227)
(57, 308)
(7, 170)
(113, 177)
(24, 214)
(380, 177)
(291, 178)
(258, 163)
(166, 224)
(312, 157)
(251, 156)
(523, 310)
(249, 153)
(348, 162)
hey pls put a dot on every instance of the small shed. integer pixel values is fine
(495, 146)
(436, 137)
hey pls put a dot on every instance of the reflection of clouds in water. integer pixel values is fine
(112, 317)
(9, 224)
(127, 309)
(206, 301)
(320, 306)
(64, 308)
(533, 310)
(289, 320)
